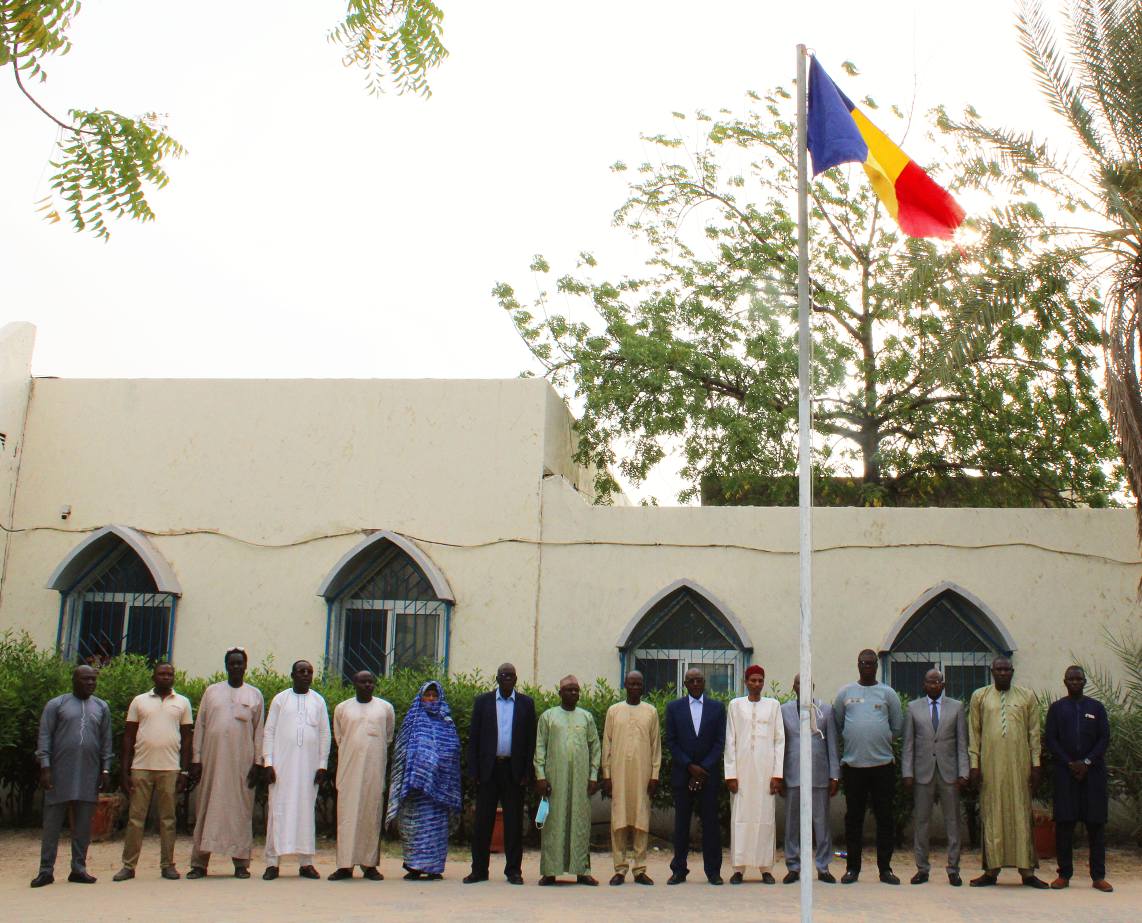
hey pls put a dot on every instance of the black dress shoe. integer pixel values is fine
(546, 881)
(827, 877)
(617, 879)
(920, 878)
(44, 878)
(736, 878)
(643, 879)
(716, 880)
(270, 873)
(889, 879)
(472, 878)
(372, 873)
(790, 878)
(240, 871)
(1032, 881)
(515, 879)
(768, 879)
(984, 881)
(308, 871)
(196, 871)
(340, 874)
(954, 879)
(849, 877)
(676, 879)
(81, 878)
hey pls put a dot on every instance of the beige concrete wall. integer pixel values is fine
(252, 490)
(1053, 578)
(16, 343)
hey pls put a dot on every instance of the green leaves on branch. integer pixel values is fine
(395, 42)
(32, 29)
(102, 167)
(697, 353)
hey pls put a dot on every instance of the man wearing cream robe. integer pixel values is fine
(363, 728)
(632, 758)
(755, 757)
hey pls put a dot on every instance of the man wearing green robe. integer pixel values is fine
(1003, 749)
(566, 773)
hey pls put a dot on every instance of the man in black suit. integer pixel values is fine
(696, 739)
(501, 745)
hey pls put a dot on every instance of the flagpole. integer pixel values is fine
(805, 496)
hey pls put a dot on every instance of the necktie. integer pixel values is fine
(935, 717)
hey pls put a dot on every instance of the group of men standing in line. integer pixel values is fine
(752, 744)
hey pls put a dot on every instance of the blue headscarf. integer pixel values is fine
(426, 758)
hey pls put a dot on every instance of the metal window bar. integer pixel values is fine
(115, 609)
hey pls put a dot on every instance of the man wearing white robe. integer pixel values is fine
(755, 756)
(295, 750)
(363, 728)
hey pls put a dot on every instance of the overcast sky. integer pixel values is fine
(315, 231)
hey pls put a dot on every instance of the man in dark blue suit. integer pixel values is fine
(1078, 733)
(696, 739)
(501, 745)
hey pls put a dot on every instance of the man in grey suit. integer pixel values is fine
(826, 782)
(935, 761)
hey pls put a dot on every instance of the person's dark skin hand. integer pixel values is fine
(908, 780)
(252, 776)
(180, 783)
(1078, 769)
(961, 783)
(195, 772)
(1033, 778)
(607, 788)
(975, 777)
(105, 781)
(697, 772)
(732, 786)
(592, 787)
(127, 783)
(775, 786)
(542, 788)
(320, 776)
(46, 778)
(271, 776)
(652, 787)
(834, 787)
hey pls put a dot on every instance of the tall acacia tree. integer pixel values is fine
(700, 350)
(1092, 78)
(105, 160)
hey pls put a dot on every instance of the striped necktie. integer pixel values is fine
(1003, 712)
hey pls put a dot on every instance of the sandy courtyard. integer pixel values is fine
(223, 898)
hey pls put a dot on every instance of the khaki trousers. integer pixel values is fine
(159, 784)
(629, 843)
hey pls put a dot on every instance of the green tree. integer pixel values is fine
(1093, 81)
(700, 350)
(105, 160)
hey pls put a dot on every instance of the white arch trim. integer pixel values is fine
(334, 581)
(735, 622)
(931, 593)
(83, 555)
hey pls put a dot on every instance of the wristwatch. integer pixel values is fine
(1087, 760)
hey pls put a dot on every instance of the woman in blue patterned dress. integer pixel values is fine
(425, 787)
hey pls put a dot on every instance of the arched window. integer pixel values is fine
(949, 630)
(388, 607)
(117, 596)
(683, 627)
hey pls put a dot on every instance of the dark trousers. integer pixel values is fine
(501, 788)
(706, 803)
(1065, 847)
(54, 816)
(879, 784)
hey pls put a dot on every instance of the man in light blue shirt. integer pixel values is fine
(505, 713)
(868, 717)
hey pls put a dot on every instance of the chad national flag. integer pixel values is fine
(838, 132)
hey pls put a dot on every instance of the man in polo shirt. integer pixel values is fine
(156, 758)
(868, 716)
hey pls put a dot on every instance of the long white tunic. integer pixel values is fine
(296, 744)
(755, 753)
(363, 731)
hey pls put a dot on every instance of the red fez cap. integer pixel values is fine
(755, 669)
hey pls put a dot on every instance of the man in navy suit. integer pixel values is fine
(696, 739)
(501, 745)
(1078, 734)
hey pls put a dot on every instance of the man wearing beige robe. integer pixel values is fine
(363, 728)
(226, 751)
(632, 756)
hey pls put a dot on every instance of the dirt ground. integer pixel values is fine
(220, 897)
